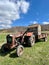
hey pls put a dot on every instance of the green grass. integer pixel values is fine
(36, 55)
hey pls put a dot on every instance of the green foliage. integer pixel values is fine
(36, 55)
(2, 37)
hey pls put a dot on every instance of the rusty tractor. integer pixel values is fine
(29, 37)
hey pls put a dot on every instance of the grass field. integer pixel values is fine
(36, 55)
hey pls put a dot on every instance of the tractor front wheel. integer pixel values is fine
(19, 50)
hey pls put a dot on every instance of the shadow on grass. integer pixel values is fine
(13, 55)
(5, 53)
(39, 40)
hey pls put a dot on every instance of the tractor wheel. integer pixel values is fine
(45, 39)
(3, 48)
(31, 41)
(19, 50)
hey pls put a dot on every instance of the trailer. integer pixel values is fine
(36, 29)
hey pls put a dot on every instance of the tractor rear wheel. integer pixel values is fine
(31, 41)
(19, 50)
(3, 48)
(45, 39)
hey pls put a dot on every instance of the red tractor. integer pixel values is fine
(28, 37)
(17, 41)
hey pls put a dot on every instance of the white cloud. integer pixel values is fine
(35, 22)
(10, 10)
(24, 6)
(45, 22)
(5, 26)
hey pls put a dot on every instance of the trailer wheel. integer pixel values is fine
(45, 39)
(19, 50)
(3, 48)
(31, 41)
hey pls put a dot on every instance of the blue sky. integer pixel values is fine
(38, 13)
(23, 12)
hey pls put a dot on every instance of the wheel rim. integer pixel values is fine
(32, 41)
(46, 39)
(20, 51)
